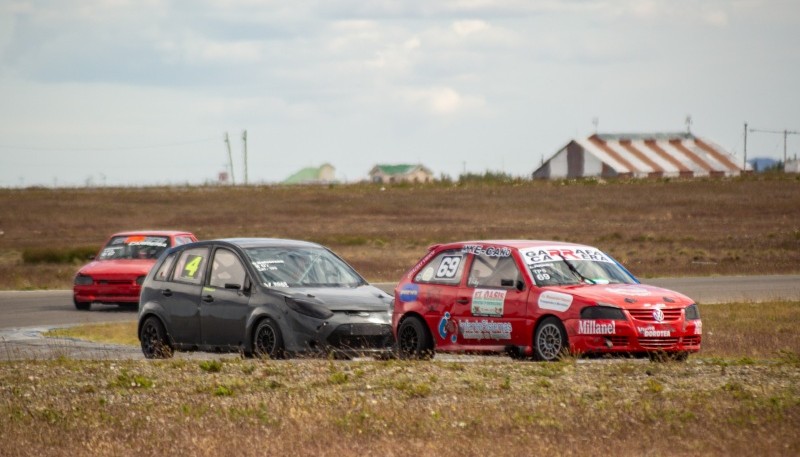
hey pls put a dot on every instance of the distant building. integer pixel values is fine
(763, 164)
(639, 155)
(324, 174)
(792, 166)
(388, 174)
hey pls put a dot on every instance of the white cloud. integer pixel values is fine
(442, 101)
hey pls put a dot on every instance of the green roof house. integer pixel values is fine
(388, 174)
(324, 174)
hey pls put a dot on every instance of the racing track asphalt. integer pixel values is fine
(24, 315)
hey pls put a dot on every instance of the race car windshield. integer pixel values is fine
(134, 247)
(561, 267)
(302, 267)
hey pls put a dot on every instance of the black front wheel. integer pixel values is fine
(154, 340)
(413, 339)
(268, 340)
(550, 340)
(82, 306)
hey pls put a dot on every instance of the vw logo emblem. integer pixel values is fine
(658, 315)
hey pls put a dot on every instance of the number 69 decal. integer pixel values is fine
(448, 267)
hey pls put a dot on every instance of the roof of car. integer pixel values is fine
(261, 242)
(516, 244)
(153, 232)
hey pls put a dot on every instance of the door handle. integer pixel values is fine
(462, 301)
(208, 298)
(166, 292)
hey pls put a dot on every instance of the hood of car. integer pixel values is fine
(362, 298)
(134, 267)
(627, 296)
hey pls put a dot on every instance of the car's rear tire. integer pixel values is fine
(154, 339)
(82, 306)
(268, 340)
(414, 340)
(550, 340)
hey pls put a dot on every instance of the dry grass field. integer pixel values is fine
(748, 225)
(740, 396)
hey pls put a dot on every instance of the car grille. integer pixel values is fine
(115, 281)
(619, 340)
(657, 342)
(646, 315)
(361, 336)
(691, 340)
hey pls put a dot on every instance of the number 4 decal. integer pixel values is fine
(192, 264)
(448, 267)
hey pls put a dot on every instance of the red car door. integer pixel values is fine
(491, 304)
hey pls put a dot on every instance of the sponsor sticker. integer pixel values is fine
(594, 327)
(485, 330)
(555, 301)
(267, 265)
(636, 291)
(489, 251)
(557, 253)
(652, 332)
(488, 302)
(409, 293)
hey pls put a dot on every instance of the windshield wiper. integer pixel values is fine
(575, 270)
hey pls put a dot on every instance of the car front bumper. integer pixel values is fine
(633, 337)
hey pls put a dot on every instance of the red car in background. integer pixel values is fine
(540, 299)
(116, 273)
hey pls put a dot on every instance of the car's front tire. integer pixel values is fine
(154, 340)
(550, 340)
(414, 340)
(268, 340)
(81, 306)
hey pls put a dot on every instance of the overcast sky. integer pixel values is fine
(140, 92)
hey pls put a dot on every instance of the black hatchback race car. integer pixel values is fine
(263, 297)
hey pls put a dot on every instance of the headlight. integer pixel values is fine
(692, 312)
(309, 309)
(83, 280)
(140, 280)
(602, 312)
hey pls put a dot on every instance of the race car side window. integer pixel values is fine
(191, 266)
(445, 268)
(226, 269)
(163, 270)
(493, 272)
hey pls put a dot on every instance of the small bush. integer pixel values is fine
(58, 255)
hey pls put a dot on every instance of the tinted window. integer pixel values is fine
(191, 266)
(280, 266)
(134, 247)
(226, 269)
(163, 270)
(445, 268)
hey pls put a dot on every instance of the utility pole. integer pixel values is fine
(244, 139)
(783, 132)
(230, 158)
(744, 162)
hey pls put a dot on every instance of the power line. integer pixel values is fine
(118, 148)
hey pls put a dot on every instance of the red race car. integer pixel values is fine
(116, 274)
(540, 299)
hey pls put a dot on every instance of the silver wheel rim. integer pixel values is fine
(549, 342)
